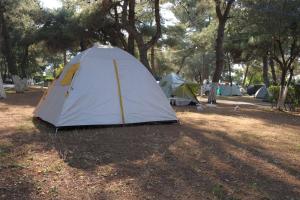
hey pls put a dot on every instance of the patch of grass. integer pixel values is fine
(254, 185)
(55, 167)
(25, 127)
(53, 191)
(4, 149)
(218, 191)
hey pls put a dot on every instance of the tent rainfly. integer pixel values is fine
(175, 86)
(104, 85)
(262, 93)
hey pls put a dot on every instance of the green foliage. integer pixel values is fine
(58, 70)
(292, 96)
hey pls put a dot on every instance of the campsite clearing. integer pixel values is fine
(219, 153)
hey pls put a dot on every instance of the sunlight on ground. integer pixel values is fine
(251, 153)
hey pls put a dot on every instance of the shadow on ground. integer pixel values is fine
(172, 162)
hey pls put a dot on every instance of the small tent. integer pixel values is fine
(104, 85)
(262, 93)
(175, 86)
(227, 90)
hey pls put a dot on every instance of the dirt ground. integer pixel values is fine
(218, 153)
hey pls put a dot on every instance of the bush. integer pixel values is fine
(292, 96)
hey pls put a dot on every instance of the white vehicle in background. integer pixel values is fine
(205, 88)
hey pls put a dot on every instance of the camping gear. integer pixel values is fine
(227, 90)
(262, 93)
(104, 85)
(176, 87)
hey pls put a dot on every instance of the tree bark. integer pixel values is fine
(2, 91)
(222, 18)
(283, 91)
(143, 46)
(6, 49)
(131, 21)
(65, 57)
(24, 64)
(245, 75)
(265, 71)
(272, 66)
(153, 59)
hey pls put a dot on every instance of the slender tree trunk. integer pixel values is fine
(245, 75)
(144, 57)
(143, 46)
(282, 90)
(272, 66)
(229, 70)
(65, 57)
(24, 63)
(131, 21)
(153, 59)
(6, 49)
(219, 63)
(265, 71)
(2, 91)
(222, 18)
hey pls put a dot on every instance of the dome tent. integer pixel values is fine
(262, 93)
(104, 86)
(175, 86)
(227, 90)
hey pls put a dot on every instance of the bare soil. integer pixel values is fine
(251, 152)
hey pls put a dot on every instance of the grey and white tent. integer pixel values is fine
(227, 90)
(175, 86)
(262, 93)
(104, 86)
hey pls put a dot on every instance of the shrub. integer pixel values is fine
(292, 96)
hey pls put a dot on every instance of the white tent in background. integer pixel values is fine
(104, 86)
(227, 90)
(2, 91)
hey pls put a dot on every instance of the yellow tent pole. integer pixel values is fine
(119, 90)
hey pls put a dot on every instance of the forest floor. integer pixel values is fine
(217, 153)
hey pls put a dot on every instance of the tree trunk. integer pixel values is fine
(2, 91)
(219, 62)
(284, 88)
(265, 71)
(20, 84)
(282, 91)
(153, 60)
(131, 21)
(219, 53)
(144, 58)
(24, 63)
(245, 75)
(65, 57)
(143, 46)
(6, 49)
(229, 70)
(274, 77)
